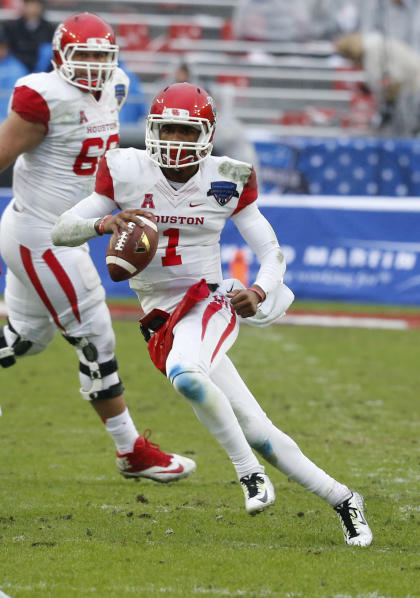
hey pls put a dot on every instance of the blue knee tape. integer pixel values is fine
(187, 383)
(265, 449)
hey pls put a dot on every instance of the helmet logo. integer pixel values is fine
(98, 41)
(175, 112)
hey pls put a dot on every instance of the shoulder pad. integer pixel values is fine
(131, 171)
(234, 170)
(50, 86)
(120, 78)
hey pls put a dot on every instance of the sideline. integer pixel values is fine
(298, 317)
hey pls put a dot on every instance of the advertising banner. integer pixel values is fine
(349, 249)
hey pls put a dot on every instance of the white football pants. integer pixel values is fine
(52, 288)
(200, 370)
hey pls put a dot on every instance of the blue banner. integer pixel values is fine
(344, 249)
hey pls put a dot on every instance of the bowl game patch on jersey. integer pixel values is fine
(120, 92)
(222, 191)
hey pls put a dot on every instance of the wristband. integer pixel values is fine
(101, 224)
(260, 295)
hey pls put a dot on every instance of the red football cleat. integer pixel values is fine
(148, 461)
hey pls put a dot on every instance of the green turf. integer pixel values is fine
(71, 527)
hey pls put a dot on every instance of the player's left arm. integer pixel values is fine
(92, 216)
(77, 225)
(259, 235)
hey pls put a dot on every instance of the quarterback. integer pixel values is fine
(59, 125)
(191, 315)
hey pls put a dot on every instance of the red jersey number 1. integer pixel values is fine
(171, 258)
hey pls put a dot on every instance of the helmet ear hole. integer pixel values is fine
(182, 104)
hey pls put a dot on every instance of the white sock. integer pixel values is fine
(338, 494)
(123, 431)
(274, 445)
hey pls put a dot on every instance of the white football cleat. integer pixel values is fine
(148, 461)
(355, 527)
(259, 492)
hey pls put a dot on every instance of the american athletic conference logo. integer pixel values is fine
(222, 191)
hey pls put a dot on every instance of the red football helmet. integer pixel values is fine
(184, 104)
(84, 32)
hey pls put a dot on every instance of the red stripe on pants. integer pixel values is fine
(210, 310)
(224, 336)
(25, 254)
(63, 280)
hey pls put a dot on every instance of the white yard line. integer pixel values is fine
(333, 321)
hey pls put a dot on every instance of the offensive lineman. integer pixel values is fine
(59, 125)
(191, 314)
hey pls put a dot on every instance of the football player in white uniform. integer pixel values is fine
(191, 314)
(59, 125)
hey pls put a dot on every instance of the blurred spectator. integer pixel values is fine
(10, 70)
(392, 71)
(29, 32)
(43, 63)
(297, 21)
(183, 73)
(398, 19)
(347, 15)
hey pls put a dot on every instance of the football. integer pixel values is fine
(131, 252)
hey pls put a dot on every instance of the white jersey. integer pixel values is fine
(61, 170)
(189, 219)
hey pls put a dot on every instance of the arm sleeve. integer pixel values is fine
(261, 238)
(104, 184)
(249, 192)
(77, 225)
(30, 105)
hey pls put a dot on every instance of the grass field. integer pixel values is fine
(70, 526)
